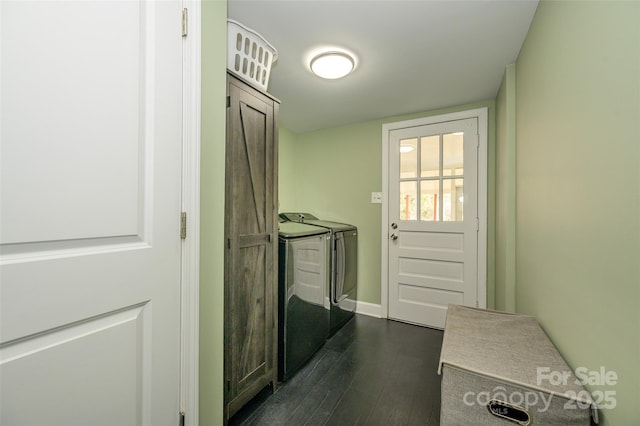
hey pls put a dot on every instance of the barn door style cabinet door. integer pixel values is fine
(251, 252)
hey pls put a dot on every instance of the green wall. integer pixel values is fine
(506, 193)
(214, 58)
(286, 170)
(335, 171)
(578, 188)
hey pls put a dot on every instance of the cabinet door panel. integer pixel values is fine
(250, 333)
(250, 229)
(250, 167)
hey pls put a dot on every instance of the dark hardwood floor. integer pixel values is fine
(372, 372)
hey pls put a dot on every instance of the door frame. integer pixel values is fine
(190, 253)
(482, 115)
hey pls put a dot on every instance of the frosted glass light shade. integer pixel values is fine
(332, 65)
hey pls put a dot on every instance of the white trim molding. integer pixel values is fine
(482, 115)
(369, 309)
(190, 274)
(483, 197)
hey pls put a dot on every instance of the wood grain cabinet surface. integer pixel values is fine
(251, 228)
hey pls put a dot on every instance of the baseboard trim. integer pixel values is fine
(370, 309)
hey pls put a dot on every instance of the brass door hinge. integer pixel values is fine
(185, 21)
(183, 225)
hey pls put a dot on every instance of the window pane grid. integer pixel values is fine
(432, 178)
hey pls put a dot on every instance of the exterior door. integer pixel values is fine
(90, 246)
(433, 220)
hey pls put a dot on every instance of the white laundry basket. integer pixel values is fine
(249, 55)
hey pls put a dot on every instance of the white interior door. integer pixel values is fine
(433, 220)
(90, 250)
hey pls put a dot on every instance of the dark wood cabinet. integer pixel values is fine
(251, 227)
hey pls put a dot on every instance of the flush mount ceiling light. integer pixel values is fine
(332, 64)
(406, 148)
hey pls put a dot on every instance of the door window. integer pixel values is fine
(433, 167)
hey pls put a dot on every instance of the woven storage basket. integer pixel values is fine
(249, 55)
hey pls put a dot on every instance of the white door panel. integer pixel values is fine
(433, 219)
(56, 373)
(69, 89)
(89, 229)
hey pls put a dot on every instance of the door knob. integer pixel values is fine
(394, 225)
(393, 237)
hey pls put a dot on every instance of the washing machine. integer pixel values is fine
(343, 266)
(303, 294)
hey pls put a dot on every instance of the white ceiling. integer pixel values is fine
(413, 56)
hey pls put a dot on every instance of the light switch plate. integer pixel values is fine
(376, 197)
